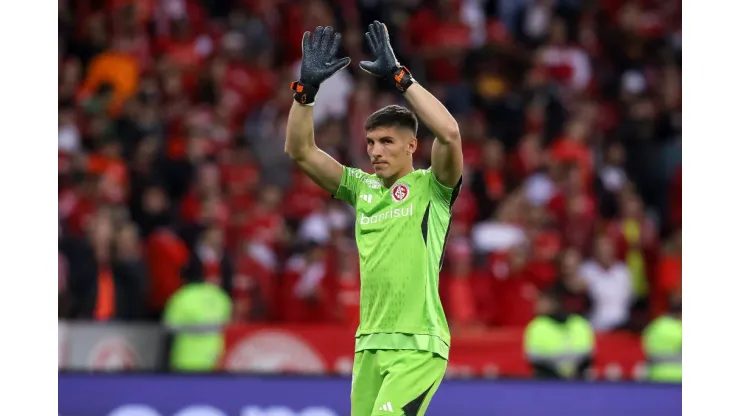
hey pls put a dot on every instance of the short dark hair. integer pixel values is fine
(392, 116)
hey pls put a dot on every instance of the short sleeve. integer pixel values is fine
(352, 180)
(443, 193)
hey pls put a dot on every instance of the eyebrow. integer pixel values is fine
(381, 138)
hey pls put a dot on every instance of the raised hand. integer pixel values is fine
(318, 62)
(385, 65)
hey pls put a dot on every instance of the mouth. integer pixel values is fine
(378, 164)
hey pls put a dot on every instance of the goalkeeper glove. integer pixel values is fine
(385, 65)
(318, 63)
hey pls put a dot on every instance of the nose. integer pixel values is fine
(375, 152)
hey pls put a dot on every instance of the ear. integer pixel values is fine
(411, 145)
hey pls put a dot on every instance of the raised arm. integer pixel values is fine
(317, 65)
(300, 146)
(447, 157)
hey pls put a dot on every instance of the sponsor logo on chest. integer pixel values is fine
(389, 214)
(399, 193)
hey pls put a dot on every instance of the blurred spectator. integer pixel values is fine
(571, 288)
(636, 237)
(306, 292)
(254, 288)
(489, 182)
(318, 225)
(348, 291)
(206, 187)
(166, 253)
(514, 291)
(544, 241)
(129, 273)
(663, 342)
(668, 275)
(465, 290)
(443, 50)
(558, 345)
(209, 262)
(610, 286)
(195, 316)
(573, 204)
(611, 180)
(104, 292)
(69, 133)
(81, 271)
(539, 187)
(502, 231)
(265, 222)
(565, 61)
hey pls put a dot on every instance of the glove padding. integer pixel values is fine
(318, 63)
(385, 65)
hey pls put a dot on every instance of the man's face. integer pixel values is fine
(390, 149)
(545, 305)
(570, 263)
(213, 237)
(604, 250)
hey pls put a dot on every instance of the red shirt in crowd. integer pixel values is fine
(542, 268)
(167, 255)
(465, 208)
(447, 34)
(348, 298)
(253, 283)
(303, 197)
(566, 150)
(466, 297)
(249, 86)
(318, 307)
(668, 281)
(513, 293)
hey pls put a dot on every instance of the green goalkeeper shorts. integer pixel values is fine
(395, 382)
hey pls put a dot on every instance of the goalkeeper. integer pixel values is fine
(403, 216)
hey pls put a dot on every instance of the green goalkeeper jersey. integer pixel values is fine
(401, 233)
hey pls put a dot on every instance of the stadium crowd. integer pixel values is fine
(172, 121)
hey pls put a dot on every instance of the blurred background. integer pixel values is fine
(189, 242)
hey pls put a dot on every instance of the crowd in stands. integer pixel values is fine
(172, 119)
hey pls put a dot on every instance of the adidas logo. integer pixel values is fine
(387, 407)
(367, 197)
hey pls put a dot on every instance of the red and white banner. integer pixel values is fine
(109, 346)
(330, 349)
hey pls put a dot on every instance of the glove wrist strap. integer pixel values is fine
(402, 79)
(304, 94)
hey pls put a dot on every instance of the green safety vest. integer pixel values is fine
(196, 314)
(561, 344)
(661, 342)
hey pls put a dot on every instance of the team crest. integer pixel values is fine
(399, 192)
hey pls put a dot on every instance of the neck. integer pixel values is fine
(388, 182)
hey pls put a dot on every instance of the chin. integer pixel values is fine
(382, 173)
